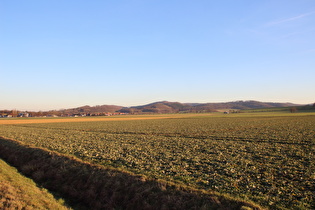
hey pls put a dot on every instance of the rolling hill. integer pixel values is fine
(161, 107)
(176, 107)
(164, 107)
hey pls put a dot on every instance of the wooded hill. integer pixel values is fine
(161, 107)
(165, 107)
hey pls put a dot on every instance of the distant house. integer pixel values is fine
(23, 114)
(226, 112)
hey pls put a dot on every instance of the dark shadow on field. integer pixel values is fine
(92, 186)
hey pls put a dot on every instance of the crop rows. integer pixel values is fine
(269, 160)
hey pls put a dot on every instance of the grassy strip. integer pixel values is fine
(97, 187)
(19, 192)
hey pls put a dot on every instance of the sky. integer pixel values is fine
(58, 54)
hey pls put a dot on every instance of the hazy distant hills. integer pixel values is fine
(93, 109)
(176, 107)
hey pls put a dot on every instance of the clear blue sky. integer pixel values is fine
(61, 54)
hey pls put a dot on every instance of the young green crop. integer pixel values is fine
(267, 159)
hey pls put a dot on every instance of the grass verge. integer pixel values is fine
(19, 192)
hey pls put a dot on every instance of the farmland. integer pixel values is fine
(266, 158)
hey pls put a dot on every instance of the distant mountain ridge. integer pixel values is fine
(164, 107)
(93, 109)
(160, 107)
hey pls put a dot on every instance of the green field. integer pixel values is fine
(267, 158)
